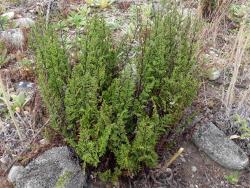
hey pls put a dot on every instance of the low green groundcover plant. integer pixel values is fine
(105, 106)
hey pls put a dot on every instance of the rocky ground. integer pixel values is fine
(211, 115)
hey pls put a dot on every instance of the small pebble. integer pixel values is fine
(183, 159)
(194, 169)
(214, 73)
(43, 142)
(25, 85)
(214, 52)
(4, 160)
(26, 112)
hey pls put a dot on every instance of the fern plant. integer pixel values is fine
(53, 72)
(102, 107)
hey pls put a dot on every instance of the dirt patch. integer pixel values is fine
(197, 170)
(193, 169)
(5, 183)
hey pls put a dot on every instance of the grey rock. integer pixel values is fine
(24, 22)
(15, 173)
(54, 168)
(221, 149)
(8, 15)
(248, 146)
(14, 38)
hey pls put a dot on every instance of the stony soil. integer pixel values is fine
(193, 169)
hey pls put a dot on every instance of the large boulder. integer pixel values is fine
(54, 168)
(221, 149)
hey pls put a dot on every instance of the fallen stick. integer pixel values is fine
(176, 155)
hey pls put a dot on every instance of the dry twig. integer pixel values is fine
(6, 98)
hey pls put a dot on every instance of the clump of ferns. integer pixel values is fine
(104, 105)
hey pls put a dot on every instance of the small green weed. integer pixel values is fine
(233, 178)
(237, 12)
(63, 179)
(76, 19)
(26, 63)
(19, 101)
(3, 22)
(244, 126)
(4, 58)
